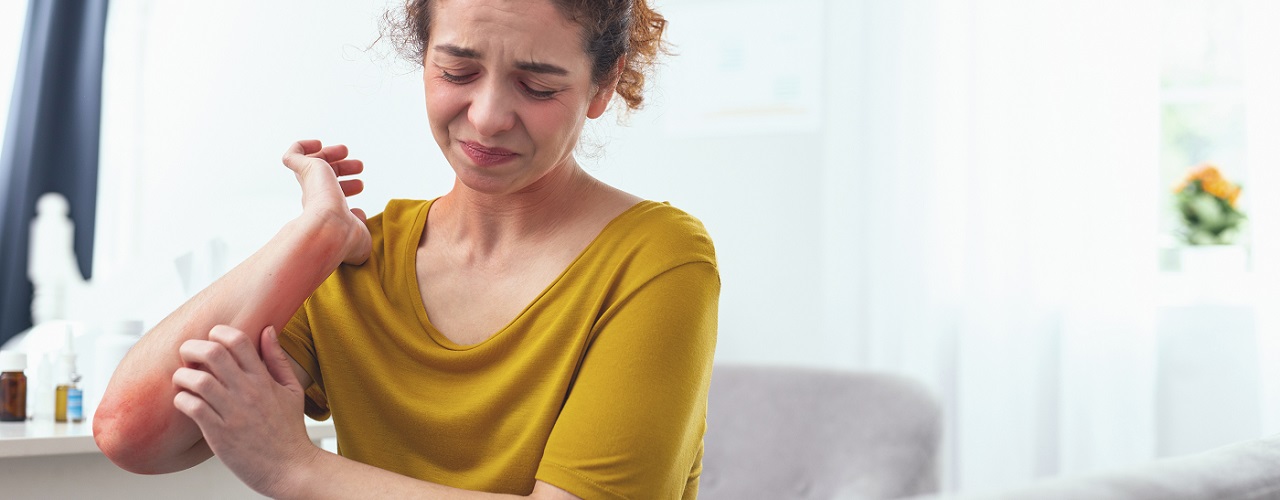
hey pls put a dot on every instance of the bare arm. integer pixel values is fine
(333, 476)
(137, 425)
(245, 397)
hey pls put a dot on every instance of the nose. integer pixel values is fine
(492, 109)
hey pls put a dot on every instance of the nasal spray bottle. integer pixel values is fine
(69, 405)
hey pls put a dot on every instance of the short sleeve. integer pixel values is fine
(633, 423)
(297, 342)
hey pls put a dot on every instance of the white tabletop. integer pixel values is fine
(35, 438)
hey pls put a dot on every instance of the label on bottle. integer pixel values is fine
(75, 405)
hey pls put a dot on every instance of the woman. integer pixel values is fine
(532, 332)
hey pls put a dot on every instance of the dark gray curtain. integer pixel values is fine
(51, 140)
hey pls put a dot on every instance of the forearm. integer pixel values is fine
(326, 475)
(136, 424)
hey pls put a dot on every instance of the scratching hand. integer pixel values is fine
(247, 406)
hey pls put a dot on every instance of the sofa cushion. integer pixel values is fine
(1246, 470)
(794, 433)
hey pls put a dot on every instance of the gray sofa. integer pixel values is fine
(791, 433)
(1246, 470)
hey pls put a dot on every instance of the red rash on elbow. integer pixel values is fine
(133, 423)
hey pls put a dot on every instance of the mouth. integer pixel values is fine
(486, 156)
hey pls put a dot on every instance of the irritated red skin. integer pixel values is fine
(126, 427)
(137, 425)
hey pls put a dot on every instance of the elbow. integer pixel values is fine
(110, 435)
(126, 442)
(138, 430)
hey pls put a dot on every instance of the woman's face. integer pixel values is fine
(508, 87)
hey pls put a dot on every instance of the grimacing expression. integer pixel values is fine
(508, 87)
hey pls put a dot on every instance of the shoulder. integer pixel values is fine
(399, 215)
(401, 220)
(661, 236)
(383, 282)
(394, 233)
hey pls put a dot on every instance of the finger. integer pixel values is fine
(299, 156)
(197, 409)
(243, 350)
(304, 147)
(347, 167)
(360, 213)
(332, 153)
(313, 174)
(278, 361)
(351, 187)
(212, 357)
(201, 384)
(300, 163)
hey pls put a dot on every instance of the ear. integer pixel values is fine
(600, 101)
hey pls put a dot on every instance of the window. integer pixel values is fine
(13, 17)
(1202, 100)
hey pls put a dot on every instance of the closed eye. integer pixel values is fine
(452, 78)
(537, 94)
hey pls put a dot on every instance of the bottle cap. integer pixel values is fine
(69, 341)
(67, 366)
(13, 361)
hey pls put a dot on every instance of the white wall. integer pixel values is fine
(201, 102)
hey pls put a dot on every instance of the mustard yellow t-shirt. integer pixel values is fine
(598, 387)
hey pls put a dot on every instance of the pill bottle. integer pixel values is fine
(13, 386)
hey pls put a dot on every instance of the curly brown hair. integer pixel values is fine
(611, 30)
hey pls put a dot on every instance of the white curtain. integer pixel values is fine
(1262, 128)
(995, 226)
(1005, 220)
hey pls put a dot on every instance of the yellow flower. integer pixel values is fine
(1232, 195)
(1212, 182)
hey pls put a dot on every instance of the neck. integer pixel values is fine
(487, 224)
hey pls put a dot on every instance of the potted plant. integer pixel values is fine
(1211, 220)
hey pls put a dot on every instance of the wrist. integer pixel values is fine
(326, 236)
(298, 473)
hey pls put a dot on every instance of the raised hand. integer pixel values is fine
(318, 169)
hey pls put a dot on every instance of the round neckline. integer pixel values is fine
(420, 308)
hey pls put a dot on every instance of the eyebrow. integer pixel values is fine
(530, 66)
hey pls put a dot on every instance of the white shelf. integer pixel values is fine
(35, 438)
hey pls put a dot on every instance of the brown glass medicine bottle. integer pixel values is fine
(13, 386)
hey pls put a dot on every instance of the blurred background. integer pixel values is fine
(1007, 200)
